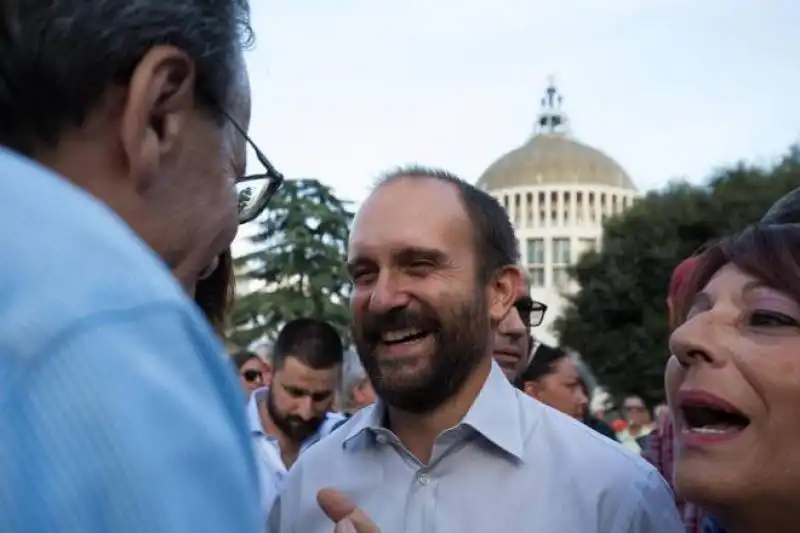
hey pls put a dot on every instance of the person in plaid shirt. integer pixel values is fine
(661, 449)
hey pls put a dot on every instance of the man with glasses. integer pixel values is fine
(513, 341)
(122, 125)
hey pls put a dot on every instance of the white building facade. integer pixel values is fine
(557, 192)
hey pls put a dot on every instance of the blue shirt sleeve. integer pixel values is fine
(129, 421)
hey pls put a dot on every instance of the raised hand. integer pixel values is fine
(348, 517)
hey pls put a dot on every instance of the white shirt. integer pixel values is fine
(512, 464)
(271, 468)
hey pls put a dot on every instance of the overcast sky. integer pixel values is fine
(343, 89)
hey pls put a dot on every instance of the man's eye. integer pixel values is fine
(361, 276)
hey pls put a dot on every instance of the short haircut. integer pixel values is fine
(542, 363)
(241, 357)
(314, 343)
(636, 396)
(496, 244)
(61, 56)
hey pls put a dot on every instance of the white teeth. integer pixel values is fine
(394, 336)
(707, 430)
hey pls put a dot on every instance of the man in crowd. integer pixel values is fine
(512, 343)
(636, 435)
(122, 131)
(357, 391)
(433, 275)
(294, 411)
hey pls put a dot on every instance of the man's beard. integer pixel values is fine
(460, 339)
(292, 426)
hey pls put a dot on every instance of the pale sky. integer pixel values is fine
(344, 89)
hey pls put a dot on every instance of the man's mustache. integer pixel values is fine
(374, 325)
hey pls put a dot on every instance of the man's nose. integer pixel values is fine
(387, 294)
(305, 408)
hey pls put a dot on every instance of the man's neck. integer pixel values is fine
(289, 449)
(418, 432)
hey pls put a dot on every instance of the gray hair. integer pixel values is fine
(61, 56)
(353, 375)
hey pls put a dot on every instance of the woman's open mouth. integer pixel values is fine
(708, 418)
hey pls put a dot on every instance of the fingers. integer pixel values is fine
(348, 517)
(345, 526)
(335, 504)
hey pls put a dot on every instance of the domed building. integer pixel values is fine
(557, 192)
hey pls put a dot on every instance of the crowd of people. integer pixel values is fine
(123, 130)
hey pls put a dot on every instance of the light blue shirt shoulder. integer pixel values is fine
(118, 411)
(271, 469)
(511, 465)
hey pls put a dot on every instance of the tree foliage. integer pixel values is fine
(297, 263)
(617, 321)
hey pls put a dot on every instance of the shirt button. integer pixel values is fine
(381, 438)
(423, 478)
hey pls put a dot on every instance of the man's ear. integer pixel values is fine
(156, 112)
(504, 289)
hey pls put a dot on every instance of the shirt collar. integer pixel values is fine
(253, 418)
(495, 414)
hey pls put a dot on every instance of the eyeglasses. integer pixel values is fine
(252, 376)
(254, 191)
(530, 311)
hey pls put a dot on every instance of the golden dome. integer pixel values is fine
(554, 159)
(551, 157)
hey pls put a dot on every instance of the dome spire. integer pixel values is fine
(551, 118)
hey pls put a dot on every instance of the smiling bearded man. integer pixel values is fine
(433, 276)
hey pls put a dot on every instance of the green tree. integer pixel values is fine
(297, 263)
(617, 321)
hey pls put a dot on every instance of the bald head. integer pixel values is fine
(493, 236)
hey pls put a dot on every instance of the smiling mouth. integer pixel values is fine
(406, 336)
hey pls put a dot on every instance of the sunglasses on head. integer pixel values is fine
(530, 311)
(251, 376)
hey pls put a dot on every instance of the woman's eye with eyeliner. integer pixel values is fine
(772, 318)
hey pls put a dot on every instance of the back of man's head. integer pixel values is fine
(62, 56)
(314, 343)
(141, 103)
(495, 242)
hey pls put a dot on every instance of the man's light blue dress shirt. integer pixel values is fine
(512, 465)
(118, 410)
(271, 467)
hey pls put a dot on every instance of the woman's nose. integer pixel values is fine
(698, 340)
